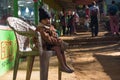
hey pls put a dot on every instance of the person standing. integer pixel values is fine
(114, 21)
(70, 23)
(87, 11)
(94, 15)
(75, 22)
(63, 22)
(87, 17)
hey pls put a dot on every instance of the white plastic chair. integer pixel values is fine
(24, 32)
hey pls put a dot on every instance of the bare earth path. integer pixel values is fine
(90, 66)
(96, 61)
(91, 58)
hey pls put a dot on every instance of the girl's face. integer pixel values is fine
(45, 22)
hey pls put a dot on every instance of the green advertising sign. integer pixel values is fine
(8, 49)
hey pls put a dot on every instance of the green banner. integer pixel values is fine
(8, 49)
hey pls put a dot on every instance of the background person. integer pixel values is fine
(63, 22)
(94, 15)
(114, 18)
(87, 17)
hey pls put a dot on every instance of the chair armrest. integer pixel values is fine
(28, 33)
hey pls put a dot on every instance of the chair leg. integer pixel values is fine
(44, 66)
(16, 64)
(30, 61)
(59, 72)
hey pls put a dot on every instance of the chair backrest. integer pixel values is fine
(23, 31)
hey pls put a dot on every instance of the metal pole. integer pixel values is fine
(15, 6)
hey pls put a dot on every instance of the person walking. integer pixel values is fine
(114, 20)
(94, 16)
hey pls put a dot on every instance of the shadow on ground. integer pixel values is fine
(110, 64)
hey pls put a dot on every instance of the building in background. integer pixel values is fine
(26, 9)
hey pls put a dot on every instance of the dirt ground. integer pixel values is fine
(100, 62)
(90, 62)
(93, 61)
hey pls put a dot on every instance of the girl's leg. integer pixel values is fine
(61, 59)
(65, 61)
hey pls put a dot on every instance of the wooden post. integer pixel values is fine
(15, 6)
(36, 11)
